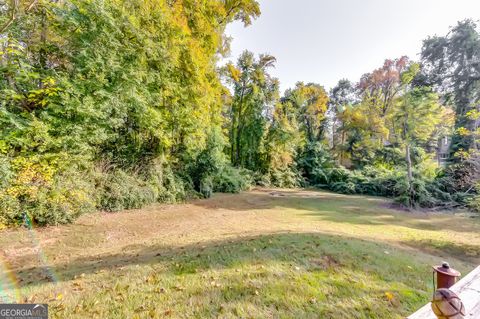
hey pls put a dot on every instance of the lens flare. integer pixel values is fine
(9, 285)
(9, 290)
(38, 249)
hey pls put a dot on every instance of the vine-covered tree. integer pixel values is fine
(310, 102)
(254, 94)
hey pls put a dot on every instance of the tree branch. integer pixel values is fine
(31, 5)
(13, 17)
(229, 12)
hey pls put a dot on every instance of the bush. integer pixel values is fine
(284, 178)
(44, 193)
(167, 186)
(314, 163)
(339, 175)
(208, 163)
(71, 196)
(232, 180)
(343, 187)
(120, 190)
(474, 203)
(10, 211)
(418, 196)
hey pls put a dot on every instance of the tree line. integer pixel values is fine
(110, 105)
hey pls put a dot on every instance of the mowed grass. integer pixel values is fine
(260, 254)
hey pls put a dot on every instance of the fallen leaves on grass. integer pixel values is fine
(390, 296)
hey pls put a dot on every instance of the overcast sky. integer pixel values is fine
(324, 41)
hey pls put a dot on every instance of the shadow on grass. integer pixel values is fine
(308, 250)
(445, 249)
(346, 277)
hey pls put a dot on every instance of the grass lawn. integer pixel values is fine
(260, 254)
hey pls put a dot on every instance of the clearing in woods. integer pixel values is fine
(260, 254)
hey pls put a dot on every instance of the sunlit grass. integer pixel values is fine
(284, 275)
(304, 254)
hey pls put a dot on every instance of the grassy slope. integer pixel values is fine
(262, 254)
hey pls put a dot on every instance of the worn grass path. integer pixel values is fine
(260, 254)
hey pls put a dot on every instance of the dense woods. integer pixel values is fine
(111, 105)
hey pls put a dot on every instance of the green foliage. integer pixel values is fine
(168, 187)
(118, 104)
(310, 104)
(474, 203)
(448, 63)
(120, 190)
(129, 83)
(254, 93)
(232, 180)
(315, 163)
(284, 178)
(416, 193)
(207, 164)
(44, 192)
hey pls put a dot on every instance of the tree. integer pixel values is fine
(107, 86)
(417, 114)
(452, 63)
(255, 93)
(310, 102)
(14, 9)
(384, 84)
(368, 123)
(342, 97)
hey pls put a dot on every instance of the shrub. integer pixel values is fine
(10, 210)
(285, 178)
(44, 192)
(261, 179)
(232, 180)
(338, 175)
(474, 203)
(343, 187)
(418, 196)
(206, 187)
(119, 190)
(71, 195)
(167, 186)
(314, 163)
(208, 163)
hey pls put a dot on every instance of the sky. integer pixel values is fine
(323, 41)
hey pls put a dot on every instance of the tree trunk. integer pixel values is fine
(342, 143)
(409, 174)
(238, 128)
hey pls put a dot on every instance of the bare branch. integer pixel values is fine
(13, 17)
(31, 5)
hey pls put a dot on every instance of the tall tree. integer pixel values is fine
(417, 114)
(384, 84)
(452, 62)
(255, 93)
(311, 103)
(127, 83)
(342, 97)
